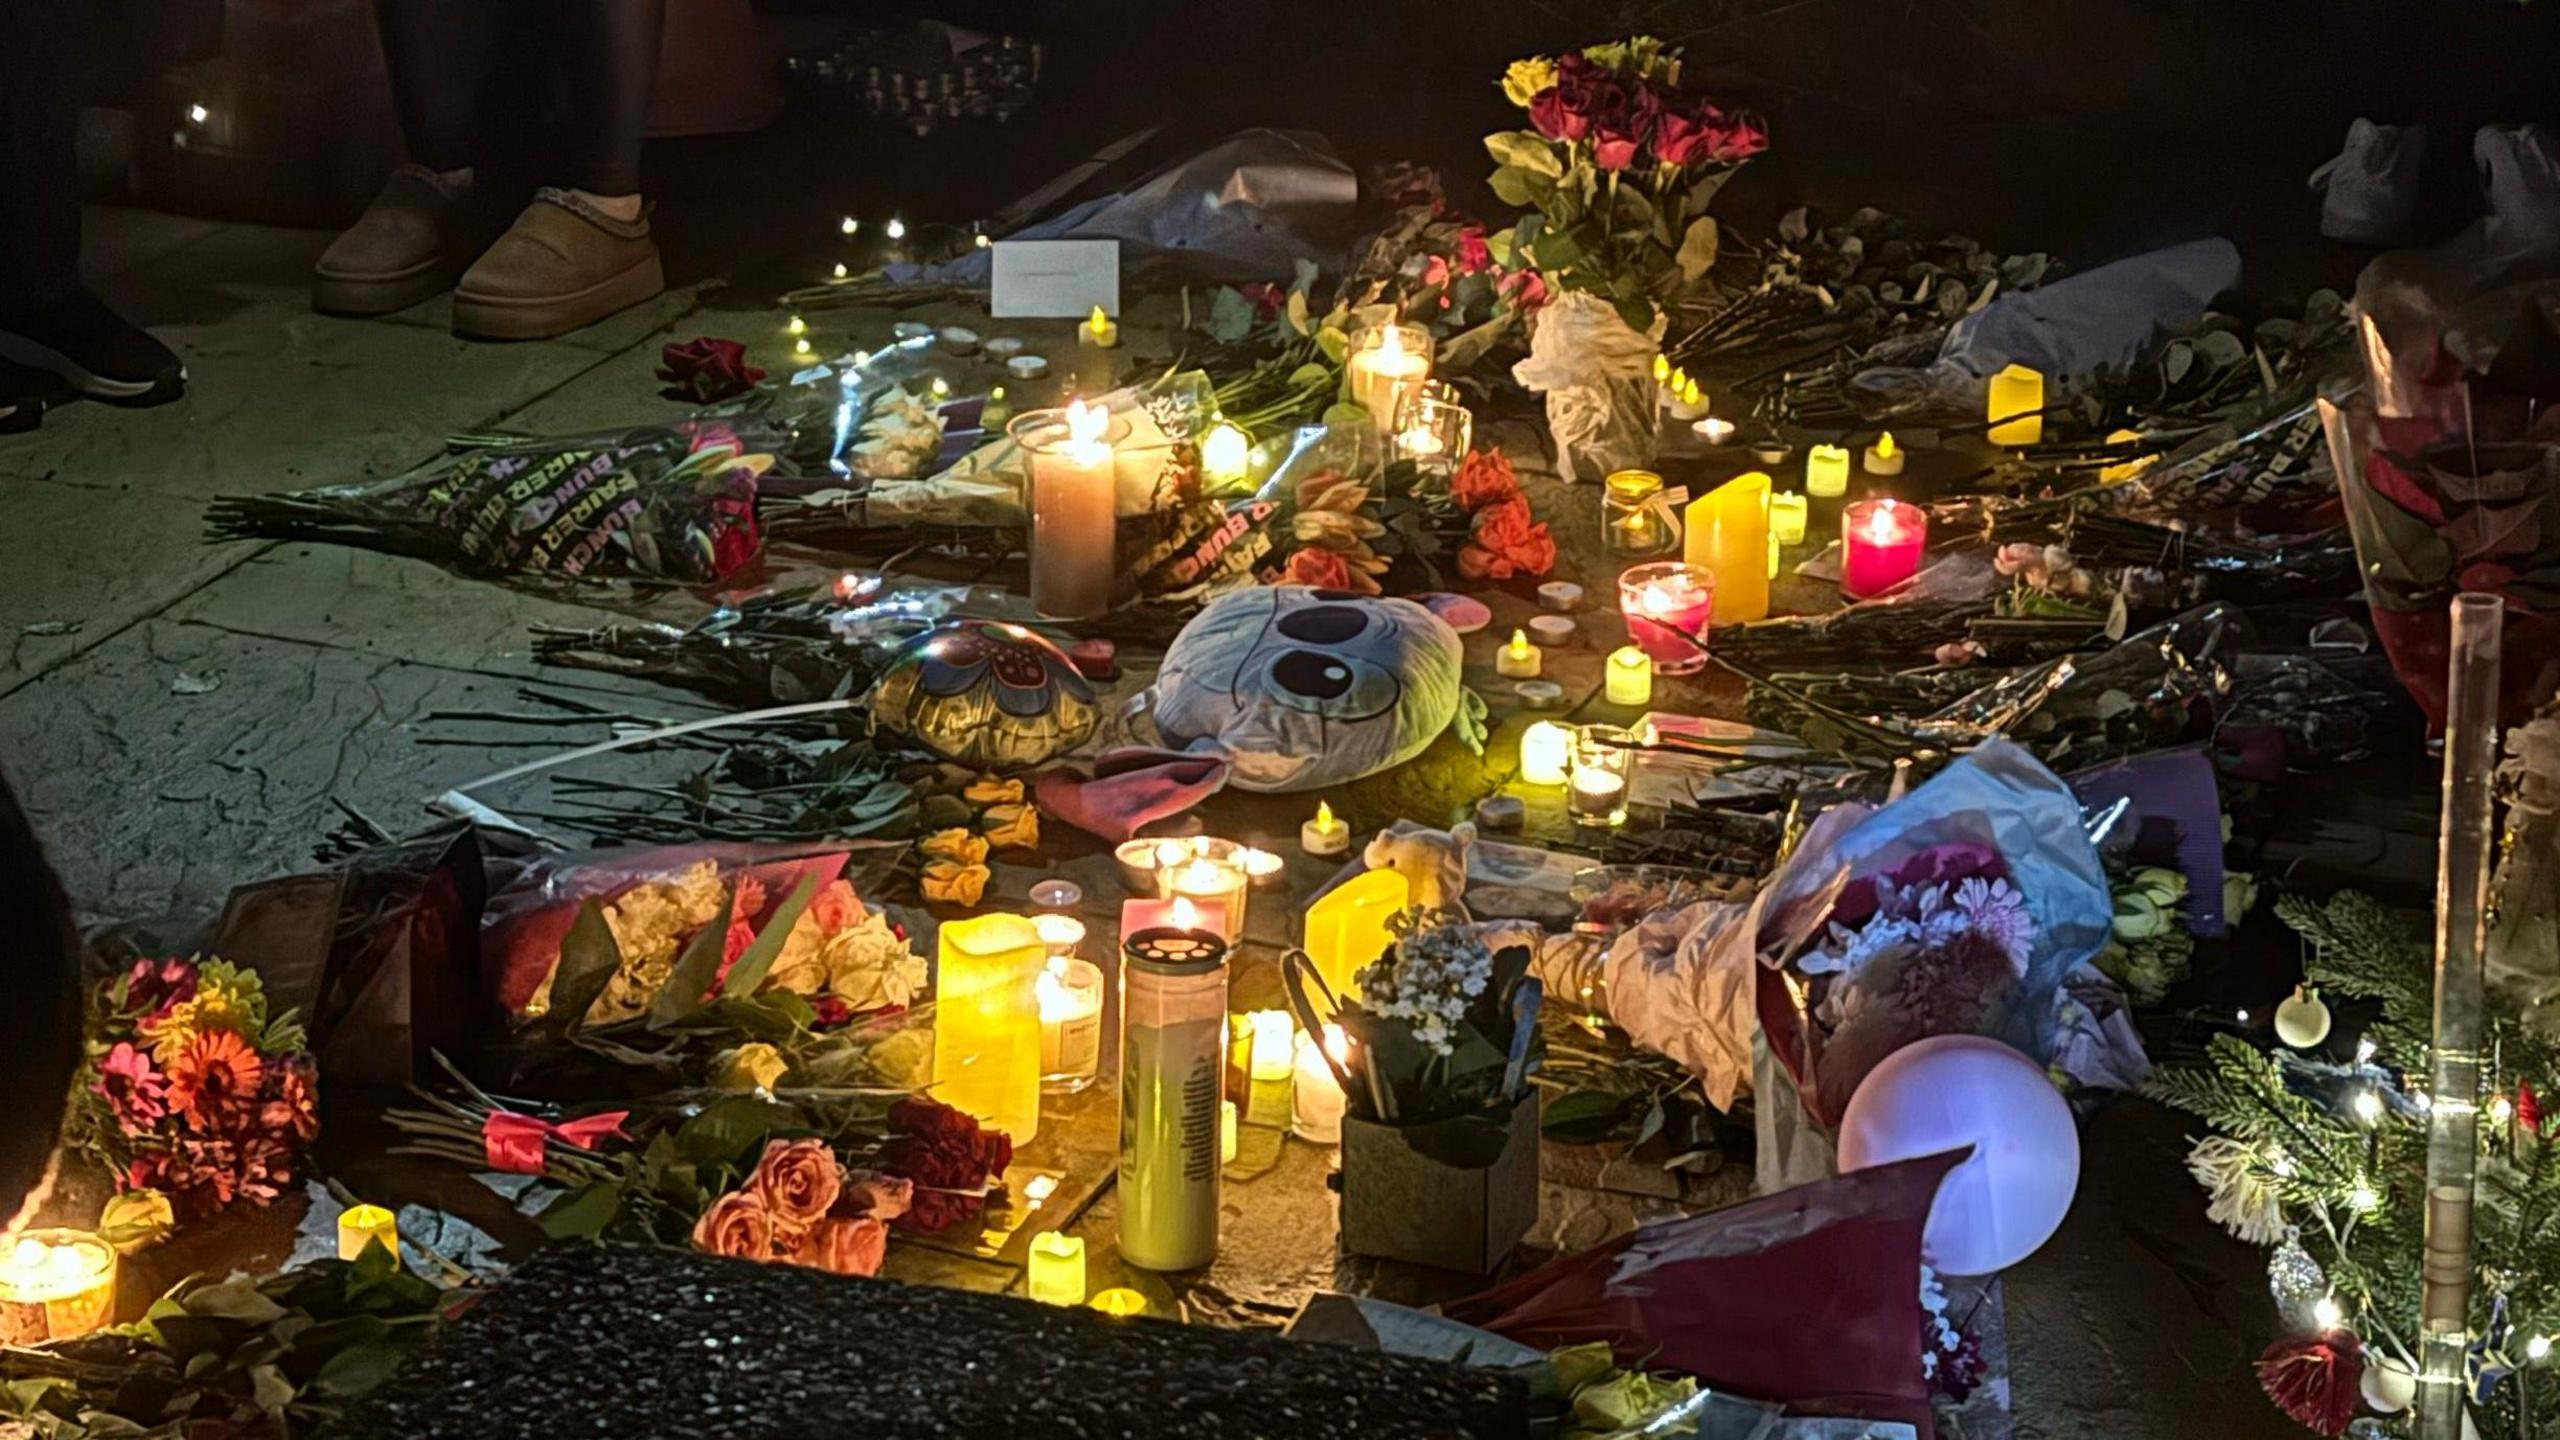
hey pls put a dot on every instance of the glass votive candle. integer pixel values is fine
(1882, 542)
(1063, 934)
(1633, 519)
(1070, 993)
(55, 1285)
(1385, 365)
(1263, 869)
(1434, 433)
(1602, 765)
(1667, 605)
(1139, 864)
(1204, 880)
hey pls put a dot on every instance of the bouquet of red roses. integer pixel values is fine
(190, 1089)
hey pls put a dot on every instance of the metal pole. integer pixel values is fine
(2465, 852)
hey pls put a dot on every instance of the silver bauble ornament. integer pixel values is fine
(2295, 1280)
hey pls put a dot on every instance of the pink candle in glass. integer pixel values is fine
(1881, 545)
(1668, 605)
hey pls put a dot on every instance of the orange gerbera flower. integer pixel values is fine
(217, 1073)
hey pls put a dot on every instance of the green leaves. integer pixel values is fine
(589, 956)
(756, 962)
(1697, 253)
(583, 1213)
(1513, 185)
(1526, 150)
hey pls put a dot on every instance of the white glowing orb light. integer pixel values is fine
(197, 114)
(849, 225)
(1951, 1091)
(896, 229)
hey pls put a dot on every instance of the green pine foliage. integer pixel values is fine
(2355, 1190)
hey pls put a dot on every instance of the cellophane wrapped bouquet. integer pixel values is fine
(2448, 461)
(190, 1091)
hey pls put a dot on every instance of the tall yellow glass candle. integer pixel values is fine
(2016, 408)
(986, 1027)
(1075, 528)
(1347, 926)
(1728, 533)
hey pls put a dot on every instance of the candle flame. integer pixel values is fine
(1884, 445)
(1171, 852)
(1661, 369)
(1100, 318)
(1392, 349)
(1085, 423)
(1186, 916)
(1689, 391)
(1656, 600)
(1881, 528)
(1324, 815)
(1224, 451)
(1519, 642)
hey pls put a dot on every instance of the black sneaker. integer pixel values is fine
(96, 351)
(23, 393)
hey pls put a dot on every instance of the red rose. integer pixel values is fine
(1484, 478)
(1613, 150)
(1475, 256)
(1680, 139)
(1507, 541)
(830, 1011)
(931, 1119)
(848, 1247)
(704, 370)
(1734, 136)
(1526, 290)
(1550, 117)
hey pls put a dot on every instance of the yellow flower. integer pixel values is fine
(954, 844)
(1012, 827)
(755, 1066)
(135, 1219)
(993, 790)
(1522, 82)
(952, 883)
(216, 1007)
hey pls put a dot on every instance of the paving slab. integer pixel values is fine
(118, 238)
(156, 802)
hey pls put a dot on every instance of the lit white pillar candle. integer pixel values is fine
(1387, 363)
(1318, 1103)
(1074, 526)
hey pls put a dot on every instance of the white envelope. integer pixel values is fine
(1055, 279)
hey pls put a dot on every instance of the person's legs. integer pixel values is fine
(48, 320)
(441, 54)
(582, 250)
(608, 60)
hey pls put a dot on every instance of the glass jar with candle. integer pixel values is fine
(1434, 433)
(1385, 364)
(1667, 605)
(1070, 992)
(55, 1285)
(1633, 517)
(1882, 543)
(1208, 880)
(1074, 499)
(1603, 763)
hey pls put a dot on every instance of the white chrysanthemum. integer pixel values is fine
(2240, 1186)
(1998, 910)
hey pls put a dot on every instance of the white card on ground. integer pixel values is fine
(1054, 279)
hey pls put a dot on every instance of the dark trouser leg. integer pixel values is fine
(442, 55)
(608, 59)
(39, 176)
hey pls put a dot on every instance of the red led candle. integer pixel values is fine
(1881, 544)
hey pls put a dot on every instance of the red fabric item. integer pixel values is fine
(514, 1142)
(2315, 1379)
(1130, 790)
(1809, 1298)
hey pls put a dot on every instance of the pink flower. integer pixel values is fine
(737, 1225)
(733, 945)
(152, 988)
(830, 1011)
(848, 1246)
(749, 897)
(1549, 114)
(1475, 254)
(1526, 290)
(798, 1180)
(1485, 477)
(133, 1088)
(1435, 272)
(1613, 150)
(837, 907)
